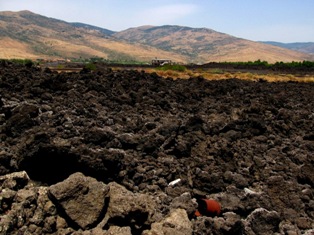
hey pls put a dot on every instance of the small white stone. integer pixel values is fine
(174, 182)
(250, 192)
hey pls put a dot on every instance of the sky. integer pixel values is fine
(257, 20)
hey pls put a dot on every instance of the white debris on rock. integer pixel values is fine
(172, 183)
(251, 192)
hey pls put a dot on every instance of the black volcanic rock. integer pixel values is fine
(245, 144)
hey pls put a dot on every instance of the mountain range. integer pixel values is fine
(28, 35)
(305, 47)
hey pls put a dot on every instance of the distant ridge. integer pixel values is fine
(304, 47)
(202, 44)
(28, 35)
(91, 27)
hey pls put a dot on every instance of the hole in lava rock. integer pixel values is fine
(135, 219)
(50, 164)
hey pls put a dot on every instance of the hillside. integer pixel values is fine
(28, 35)
(202, 44)
(92, 28)
(304, 47)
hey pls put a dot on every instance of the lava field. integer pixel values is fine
(247, 145)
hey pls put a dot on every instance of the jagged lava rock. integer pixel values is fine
(82, 199)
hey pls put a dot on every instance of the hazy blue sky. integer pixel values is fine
(267, 20)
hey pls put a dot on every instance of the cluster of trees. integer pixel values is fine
(26, 62)
(258, 64)
(303, 64)
(174, 67)
(293, 64)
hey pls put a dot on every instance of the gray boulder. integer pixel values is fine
(262, 221)
(125, 208)
(177, 223)
(81, 198)
(14, 181)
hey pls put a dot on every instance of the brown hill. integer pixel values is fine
(305, 47)
(28, 35)
(202, 45)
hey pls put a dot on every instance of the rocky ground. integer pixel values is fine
(98, 152)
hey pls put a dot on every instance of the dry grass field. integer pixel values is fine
(219, 74)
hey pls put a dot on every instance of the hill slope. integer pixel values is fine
(201, 44)
(305, 47)
(28, 35)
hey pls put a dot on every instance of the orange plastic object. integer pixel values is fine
(209, 207)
